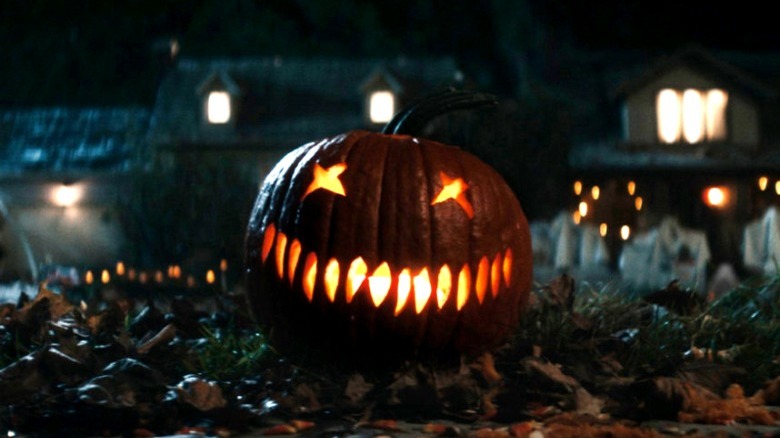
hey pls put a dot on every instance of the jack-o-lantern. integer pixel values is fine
(387, 245)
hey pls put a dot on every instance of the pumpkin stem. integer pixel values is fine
(413, 118)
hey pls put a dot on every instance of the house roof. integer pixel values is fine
(284, 101)
(70, 139)
(707, 63)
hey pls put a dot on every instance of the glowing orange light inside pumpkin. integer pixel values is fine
(422, 290)
(309, 275)
(327, 179)
(508, 266)
(379, 283)
(210, 277)
(495, 275)
(331, 279)
(443, 286)
(404, 287)
(268, 241)
(120, 268)
(454, 189)
(482, 278)
(281, 245)
(292, 261)
(355, 277)
(464, 286)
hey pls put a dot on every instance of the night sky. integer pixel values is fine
(95, 52)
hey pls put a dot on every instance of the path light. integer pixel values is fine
(120, 268)
(631, 188)
(777, 187)
(638, 202)
(583, 208)
(105, 277)
(603, 229)
(577, 188)
(576, 217)
(595, 192)
(763, 181)
(210, 277)
(89, 278)
(625, 232)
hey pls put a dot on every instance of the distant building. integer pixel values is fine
(258, 109)
(61, 173)
(694, 135)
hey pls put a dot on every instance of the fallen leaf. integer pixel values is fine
(280, 429)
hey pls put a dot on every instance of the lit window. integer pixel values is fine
(218, 107)
(691, 115)
(381, 106)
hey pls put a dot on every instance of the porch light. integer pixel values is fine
(716, 197)
(66, 195)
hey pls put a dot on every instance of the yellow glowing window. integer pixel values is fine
(381, 106)
(691, 115)
(218, 107)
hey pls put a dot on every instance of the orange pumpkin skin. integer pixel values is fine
(387, 205)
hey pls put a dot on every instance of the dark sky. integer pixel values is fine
(99, 52)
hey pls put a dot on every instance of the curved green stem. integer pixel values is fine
(413, 118)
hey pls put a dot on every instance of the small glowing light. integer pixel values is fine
(762, 183)
(66, 195)
(120, 268)
(356, 275)
(143, 277)
(404, 287)
(583, 208)
(631, 188)
(131, 274)
(638, 202)
(625, 232)
(89, 278)
(603, 229)
(218, 107)
(777, 187)
(190, 281)
(716, 197)
(11, 433)
(158, 276)
(210, 277)
(331, 279)
(223, 265)
(381, 106)
(176, 271)
(105, 277)
(422, 290)
(577, 187)
(595, 192)
(693, 116)
(576, 217)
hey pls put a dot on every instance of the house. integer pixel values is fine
(258, 109)
(694, 136)
(62, 173)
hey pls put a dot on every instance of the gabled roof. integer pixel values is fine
(285, 101)
(70, 139)
(708, 64)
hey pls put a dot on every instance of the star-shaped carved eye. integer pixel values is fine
(454, 188)
(327, 179)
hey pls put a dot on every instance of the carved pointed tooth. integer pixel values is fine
(464, 286)
(495, 275)
(379, 283)
(281, 247)
(422, 290)
(356, 275)
(443, 286)
(481, 284)
(310, 275)
(268, 241)
(404, 287)
(292, 260)
(508, 267)
(331, 279)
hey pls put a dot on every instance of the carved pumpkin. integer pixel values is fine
(388, 244)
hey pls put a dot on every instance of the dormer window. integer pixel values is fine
(218, 107)
(381, 106)
(691, 115)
